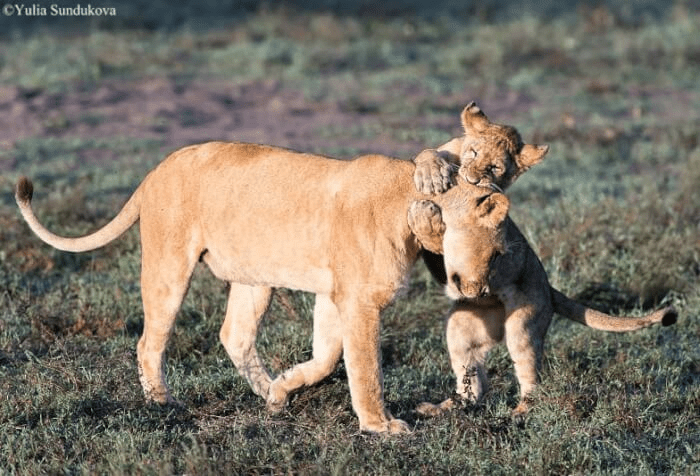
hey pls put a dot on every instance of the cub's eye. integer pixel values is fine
(493, 169)
(469, 154)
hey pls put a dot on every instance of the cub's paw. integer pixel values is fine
(425, 221)
(520, 412)
(428, 409)
(433, 173)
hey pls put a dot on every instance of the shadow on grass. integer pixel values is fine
(611, 299)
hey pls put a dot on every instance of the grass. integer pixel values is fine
(613, 212)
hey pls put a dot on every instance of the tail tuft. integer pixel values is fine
(24, 190)
(670, 317)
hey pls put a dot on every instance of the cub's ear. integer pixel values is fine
(473, 118)
(531, 155)
(493, 209)
(425, 221)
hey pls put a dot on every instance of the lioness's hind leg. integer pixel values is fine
(327, 350)
(244, 312)
(162, 289)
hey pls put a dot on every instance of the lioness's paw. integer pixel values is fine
(428, 409)
(160, 396)
(398, 427)
(433, 173)
(392, 427)
(276, 399)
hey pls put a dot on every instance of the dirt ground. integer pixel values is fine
(178, 114)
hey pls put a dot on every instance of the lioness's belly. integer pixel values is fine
(267, 272)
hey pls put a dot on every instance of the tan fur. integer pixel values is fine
(488, 154)
(517, 306)
(263, 217)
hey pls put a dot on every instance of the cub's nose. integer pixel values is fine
(473, 179)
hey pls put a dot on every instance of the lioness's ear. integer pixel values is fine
(493, 209)
(473, 118)
(531, 155)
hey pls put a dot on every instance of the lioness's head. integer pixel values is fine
(473, 236)
(492, 154)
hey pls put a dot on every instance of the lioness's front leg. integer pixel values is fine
(327, 349)
(361, 348)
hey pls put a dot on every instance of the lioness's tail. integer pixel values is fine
(605, 322)
(119, 224)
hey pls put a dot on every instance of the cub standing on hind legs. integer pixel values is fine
(518, 303)
(263, 217)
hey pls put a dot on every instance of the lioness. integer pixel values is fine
(263, 217)
(518, 302)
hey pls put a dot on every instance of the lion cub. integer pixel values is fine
(518, 303)
(488, 154)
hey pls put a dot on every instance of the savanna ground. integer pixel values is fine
(614, 213)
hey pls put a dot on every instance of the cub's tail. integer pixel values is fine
(119, 224)
(605, 322)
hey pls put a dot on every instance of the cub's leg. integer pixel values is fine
(362, 355)
(327, 350)
(165, 277)
(244, 311)
(471, 332)
(525, 329)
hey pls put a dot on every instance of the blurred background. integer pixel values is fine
(391, 76)
(88, 104)
(205, 14)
